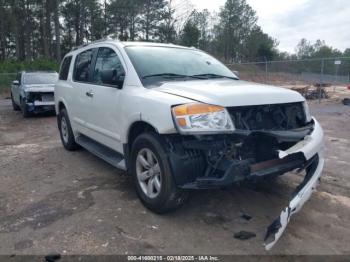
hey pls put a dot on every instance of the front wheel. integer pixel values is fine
(152, 175)
(24, 109)
(14, 105)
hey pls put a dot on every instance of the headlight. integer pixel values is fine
(202, 118)
(307, 112)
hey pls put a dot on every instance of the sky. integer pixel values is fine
(291, 20)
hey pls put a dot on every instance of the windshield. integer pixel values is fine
(155, 64)
(39, 79)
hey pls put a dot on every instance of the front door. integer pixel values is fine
(105, 114)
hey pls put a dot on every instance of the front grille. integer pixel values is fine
(268, 117)
(41, 96)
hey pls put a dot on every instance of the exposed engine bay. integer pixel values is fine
(252, 151)
(40, 101)
(40, 97)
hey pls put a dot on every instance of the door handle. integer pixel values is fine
(89, 94)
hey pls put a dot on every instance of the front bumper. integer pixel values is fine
(40, 107)
(304, 155)
(312, 148)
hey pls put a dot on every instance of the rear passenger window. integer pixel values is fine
(83, 66)
(65, 68)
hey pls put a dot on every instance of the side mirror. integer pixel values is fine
(15, 83)
(110, 77)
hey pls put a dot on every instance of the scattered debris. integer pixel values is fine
(244, 235)
(52, 257)
(318, 93)
(322, 84)
(346, 101)
(214, 219)
(246, 216)
(312, 92)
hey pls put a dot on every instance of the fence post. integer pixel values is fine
(321, 82)
(265, 69)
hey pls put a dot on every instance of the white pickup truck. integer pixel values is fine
(177, 119)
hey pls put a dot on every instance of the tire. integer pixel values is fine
(169, 197)
(66, 132)
(24, 110)
(14, 105)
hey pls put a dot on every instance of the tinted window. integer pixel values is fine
(40, 78)
(108, 68)
(65, 68)
(83, 66)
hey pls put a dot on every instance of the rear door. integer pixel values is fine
(82, 91)
(108, 79)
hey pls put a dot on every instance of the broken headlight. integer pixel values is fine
(307, 112)
(202, 118)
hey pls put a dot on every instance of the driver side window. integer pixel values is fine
(108, 68)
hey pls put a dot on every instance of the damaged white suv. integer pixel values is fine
(177, 119)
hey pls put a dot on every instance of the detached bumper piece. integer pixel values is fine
(300, 196)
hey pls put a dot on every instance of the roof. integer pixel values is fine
(39, 72)
(130, 43)
(152, 44)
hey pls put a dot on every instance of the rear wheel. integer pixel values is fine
(14, 105)
(66, 132)
(152, 175)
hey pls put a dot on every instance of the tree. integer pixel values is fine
(304, 49)
(237, 19)
(152, 13)
(190, 34)
(259, 46)
(166, 30)
(57, 30)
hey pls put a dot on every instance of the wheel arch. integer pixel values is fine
(60, 104)
(136, 128)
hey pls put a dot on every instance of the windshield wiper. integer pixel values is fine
(169, 75)
(210, 76)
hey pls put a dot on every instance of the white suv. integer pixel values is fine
(177, 119)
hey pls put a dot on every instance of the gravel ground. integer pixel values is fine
(56, 201)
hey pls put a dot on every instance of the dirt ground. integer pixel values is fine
(56, 201)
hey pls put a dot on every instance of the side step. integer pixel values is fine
(109, 155)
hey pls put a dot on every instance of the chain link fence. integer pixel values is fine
(318, 71)
(6, 81)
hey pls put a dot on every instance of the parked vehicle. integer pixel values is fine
(177, 119)
(33, 92)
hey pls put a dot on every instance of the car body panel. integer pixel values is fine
(228, 93)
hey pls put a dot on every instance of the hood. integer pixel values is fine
(230, 92)
(39, 88)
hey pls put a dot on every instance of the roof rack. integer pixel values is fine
(107, 38)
